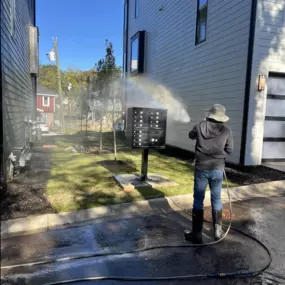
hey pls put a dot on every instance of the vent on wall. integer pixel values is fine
(34, 50)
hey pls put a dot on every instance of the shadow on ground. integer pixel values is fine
(117, 166)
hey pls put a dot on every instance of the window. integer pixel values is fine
(46, 101)
(201, 26)
(12, 16)
(137, 52)
(136, 8)
(31, 6)
(126, 33)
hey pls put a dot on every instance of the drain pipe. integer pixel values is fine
(2, 172)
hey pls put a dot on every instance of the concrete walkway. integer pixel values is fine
(44, 223)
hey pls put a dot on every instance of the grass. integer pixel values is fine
(79, 181)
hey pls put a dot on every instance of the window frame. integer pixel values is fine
(43, 100)
(12, 17)
(135, 37)
(198, 22)
(136, 8)
(125, 16)
(140, 36)
(126, 36)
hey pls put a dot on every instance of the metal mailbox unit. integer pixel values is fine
(146, 129)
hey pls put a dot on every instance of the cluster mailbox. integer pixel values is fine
(146, 127)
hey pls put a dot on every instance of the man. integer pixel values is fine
(213, 141)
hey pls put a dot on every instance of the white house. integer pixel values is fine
(212, 51)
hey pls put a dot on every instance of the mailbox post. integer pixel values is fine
(144, 164)
(146, 129)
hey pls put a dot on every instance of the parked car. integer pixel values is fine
(44, 127)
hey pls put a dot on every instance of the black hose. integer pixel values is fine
(237, 274)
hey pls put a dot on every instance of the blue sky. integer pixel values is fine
(81, 27)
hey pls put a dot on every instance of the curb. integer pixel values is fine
(47, 222)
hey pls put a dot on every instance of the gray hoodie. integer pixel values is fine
(213, 141)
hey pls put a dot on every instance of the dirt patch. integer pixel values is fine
(25, 195)
(106, 163)
(254, 175)
(240, 176)
(118, 166)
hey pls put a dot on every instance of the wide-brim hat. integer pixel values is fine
(218, 113)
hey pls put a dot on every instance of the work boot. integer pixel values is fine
(197, 227)
(217, 224)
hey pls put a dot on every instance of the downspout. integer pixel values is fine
(248, 81)
(35, 77)
(127, 37)
(2, 174)
(34, 12)
(125, 67)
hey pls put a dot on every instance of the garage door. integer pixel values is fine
(274, 129)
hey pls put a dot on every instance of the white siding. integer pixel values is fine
(197, 76)
(268, 56)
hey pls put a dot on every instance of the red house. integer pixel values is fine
(45, 105)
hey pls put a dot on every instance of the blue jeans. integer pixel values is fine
(202, 178)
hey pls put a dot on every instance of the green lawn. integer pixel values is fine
(78, 180)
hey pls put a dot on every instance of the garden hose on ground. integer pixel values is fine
(237, 274)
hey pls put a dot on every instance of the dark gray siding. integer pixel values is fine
(17, 87)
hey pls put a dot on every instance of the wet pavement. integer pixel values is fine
(261, 217)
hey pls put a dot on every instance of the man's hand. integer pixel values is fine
(193, 134)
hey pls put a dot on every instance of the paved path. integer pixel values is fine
(262, 217)
(50, 134)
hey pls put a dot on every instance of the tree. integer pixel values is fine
(48, 77)
(99, 92)
(106, 73)
(72, 82)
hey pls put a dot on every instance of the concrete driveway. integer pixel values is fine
(262, 217)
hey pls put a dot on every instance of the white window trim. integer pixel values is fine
(48, 104)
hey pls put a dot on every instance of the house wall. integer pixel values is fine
(268, 56)
(195, 75)
(18, 94)
(50, 119)
(46, 109)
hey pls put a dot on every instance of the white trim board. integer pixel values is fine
(50, 95)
